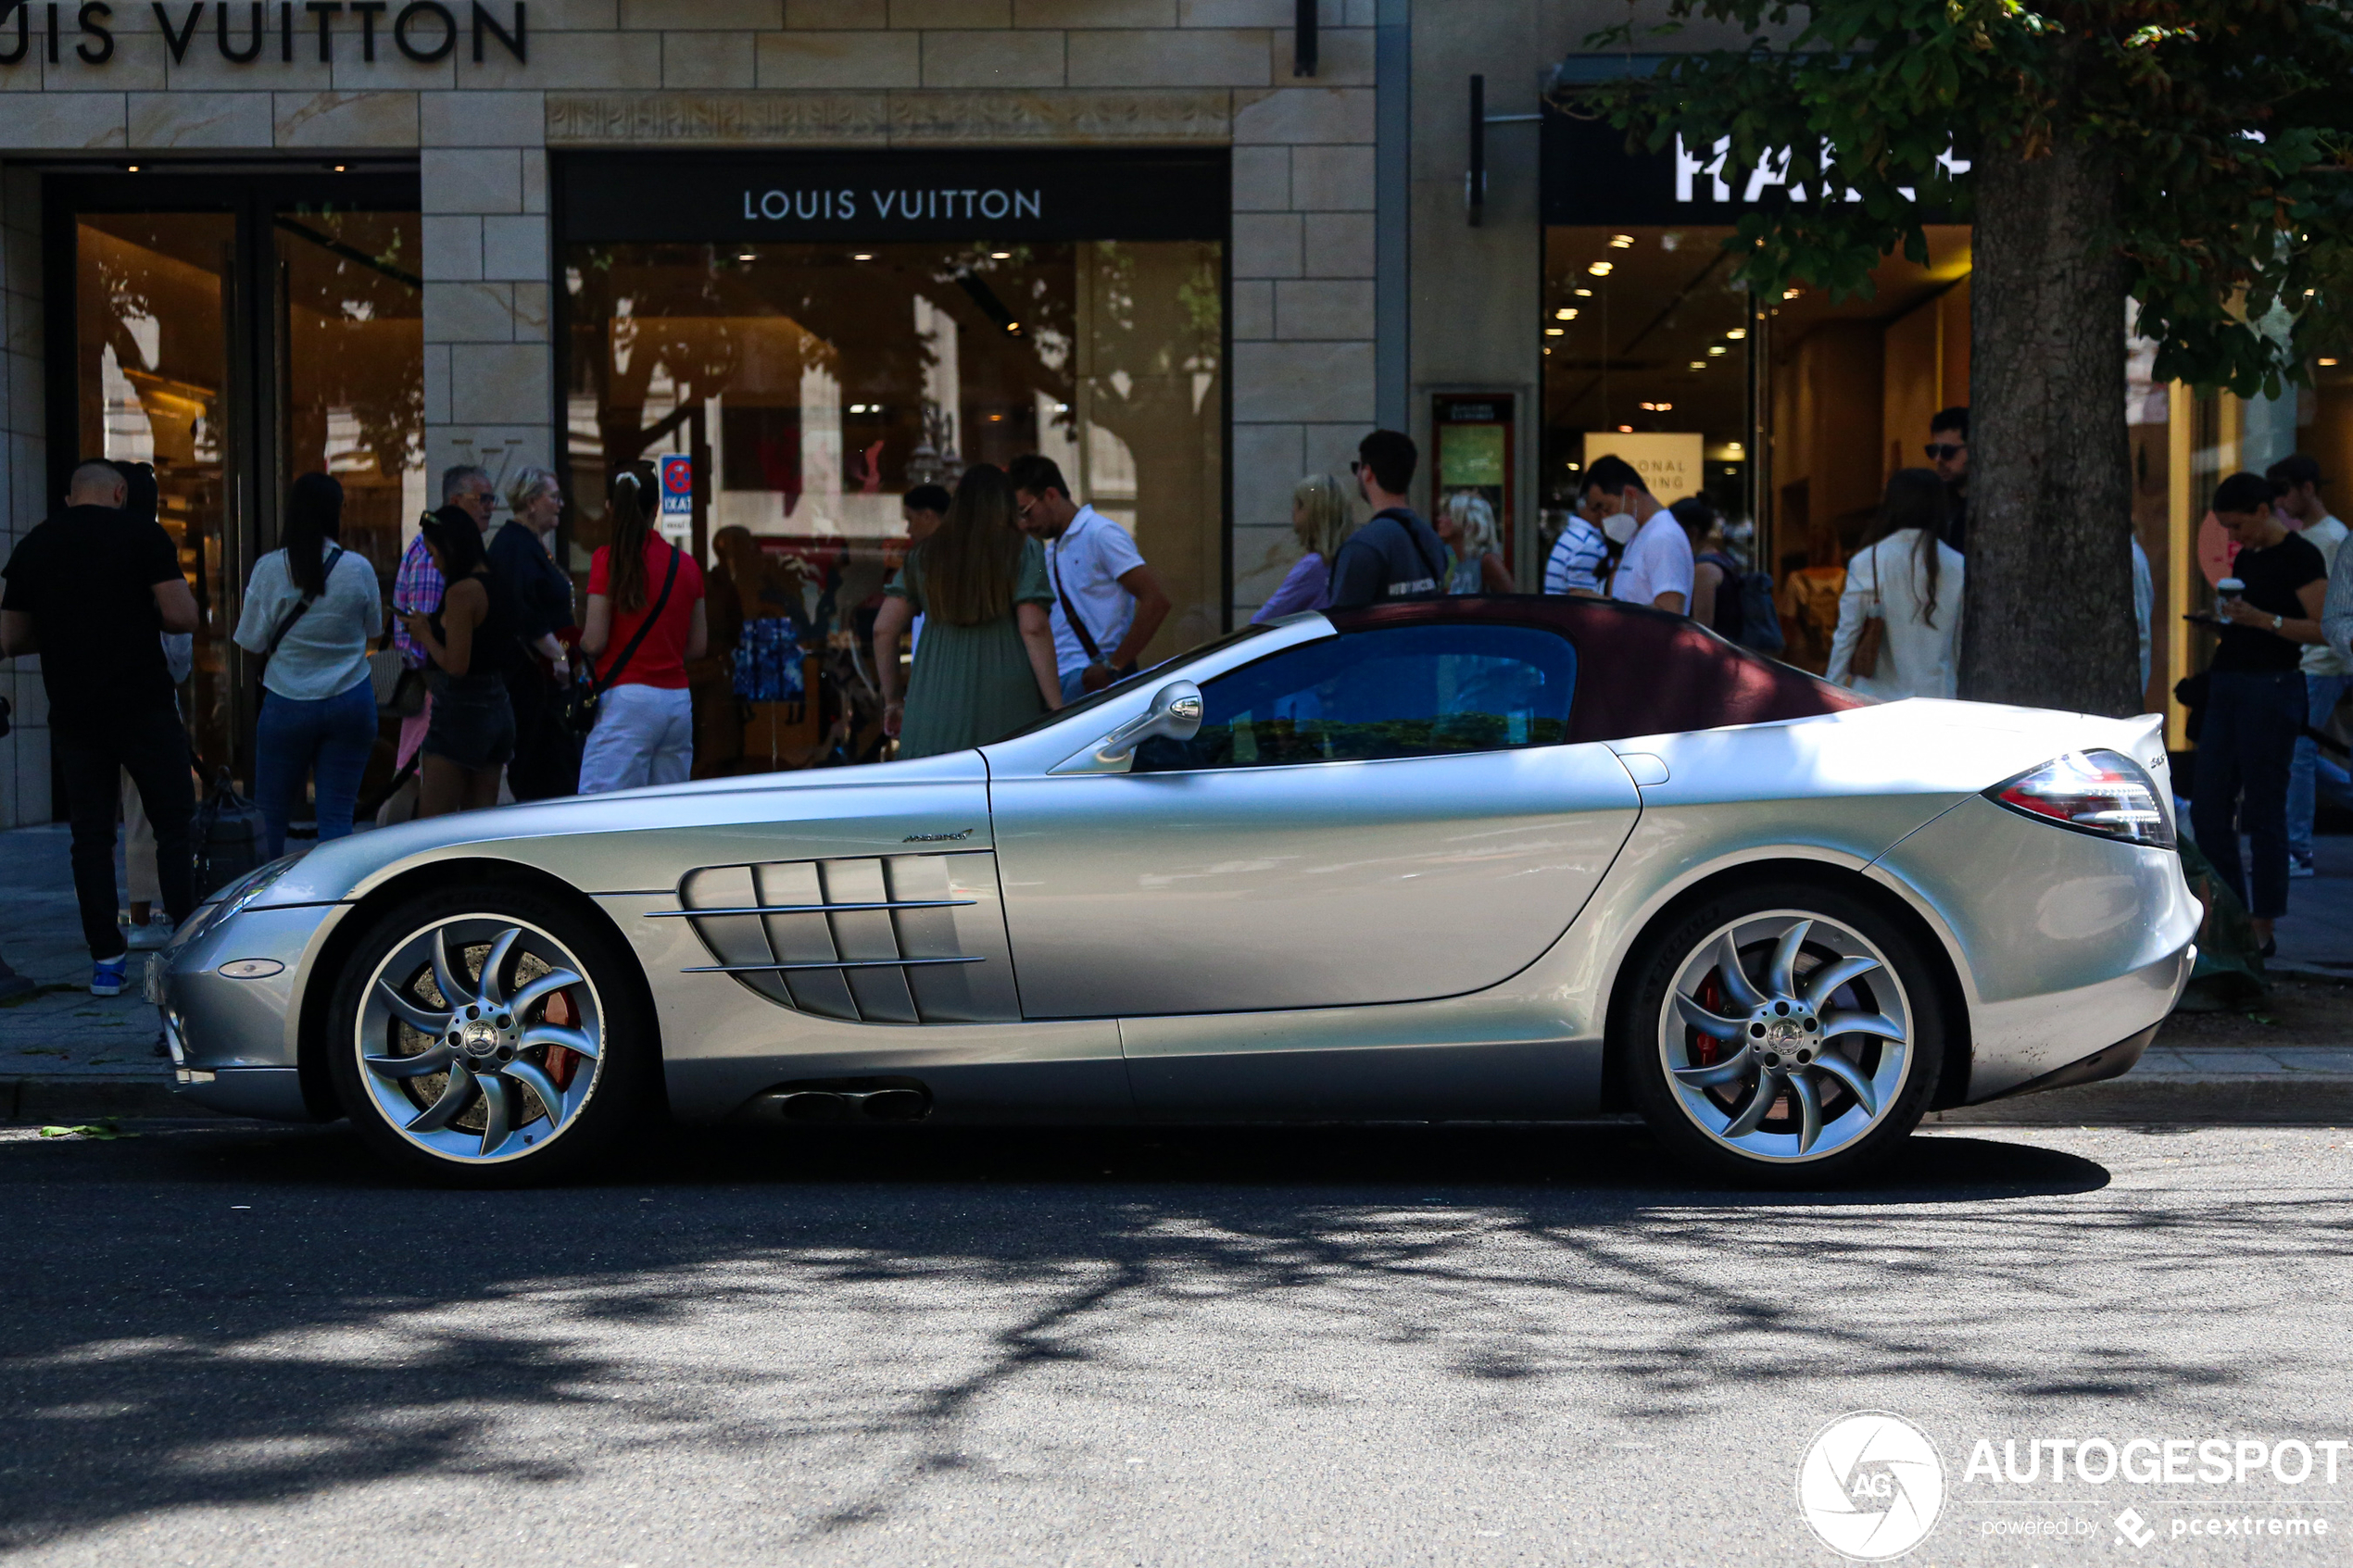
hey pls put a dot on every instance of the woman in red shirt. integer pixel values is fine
(644, 621)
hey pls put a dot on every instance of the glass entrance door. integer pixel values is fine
(236, 331)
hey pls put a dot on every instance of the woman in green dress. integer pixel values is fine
(985, 663)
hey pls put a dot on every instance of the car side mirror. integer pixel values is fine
(1174, 715)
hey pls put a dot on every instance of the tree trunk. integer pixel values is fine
(2048, 607)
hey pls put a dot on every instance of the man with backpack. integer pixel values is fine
(1735, 603)
(1396, 554)
(92, 590)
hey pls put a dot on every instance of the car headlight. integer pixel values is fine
(253, 885)
(2101, 793)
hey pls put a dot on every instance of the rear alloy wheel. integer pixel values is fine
(1787, 1036)
(504, 1044)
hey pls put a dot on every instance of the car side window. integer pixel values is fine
(1402, 691)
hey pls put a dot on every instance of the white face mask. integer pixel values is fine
(1619, 527)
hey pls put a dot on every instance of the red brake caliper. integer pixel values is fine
(561, 1062)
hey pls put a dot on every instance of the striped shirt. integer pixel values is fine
(1576, 557)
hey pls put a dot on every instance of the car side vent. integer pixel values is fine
(881, 939)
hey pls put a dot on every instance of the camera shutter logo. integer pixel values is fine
(1871, 1486)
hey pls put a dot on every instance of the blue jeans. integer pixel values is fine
(2311, 774)
(332, 736)
(2243, 748)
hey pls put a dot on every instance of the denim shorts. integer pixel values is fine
(472, 725)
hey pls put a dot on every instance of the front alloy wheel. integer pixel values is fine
(1793, 1036)
(482, 1046)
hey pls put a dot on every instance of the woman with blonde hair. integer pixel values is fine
(1319, 518)
(1467, 523)
(538, 598)
(985, 664)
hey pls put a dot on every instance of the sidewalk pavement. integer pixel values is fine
(66, 1055)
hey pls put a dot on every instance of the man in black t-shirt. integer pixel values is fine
(91, 591)
(2255, 697)
(1395, 556)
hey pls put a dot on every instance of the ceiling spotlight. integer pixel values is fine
(1000, 256)
(1013, 326)
(1716, 348)
(135, 169)
(1792, 293)
(1699, 364)
(1599, 269)
(1582, 294)
(338, 169)
(1621, 242)
(2329, 362)
(1734, 448)
(1737, 334)
(746, 256)
(1554, 332)
(1564, 314)
(862, 256)
(1658, 407)
(1625, 430)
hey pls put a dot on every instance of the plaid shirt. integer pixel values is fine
(417, 586)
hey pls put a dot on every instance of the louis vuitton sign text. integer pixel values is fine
(254, 31)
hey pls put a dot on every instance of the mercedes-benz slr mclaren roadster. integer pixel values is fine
(1521, 859)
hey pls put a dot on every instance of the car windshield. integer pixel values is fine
(1141, 677)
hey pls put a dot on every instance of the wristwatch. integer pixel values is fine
(2278, 621)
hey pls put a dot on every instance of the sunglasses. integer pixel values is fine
(1945, 451)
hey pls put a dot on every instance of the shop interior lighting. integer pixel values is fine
(1000, 256)
(1792, 293)
(746, 256)
(1621, 242)
(2328, 362)
(1625, 430)
(1013, 328)
(338, 169)
(1716, 348)
(1658, 408)
(135, 169)
(1554, 332)
(1599, 269)
(1734, 448)
(1699, 364)
(1582, 294)
(1565, 314)
(862, 256)
(1737, 334)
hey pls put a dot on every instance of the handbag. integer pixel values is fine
(576, 711)
(1864, 659)
(400, 691)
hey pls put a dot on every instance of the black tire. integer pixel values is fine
(609, 1009)
(1869, 1090)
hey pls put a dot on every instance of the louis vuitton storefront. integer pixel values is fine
(812, 256)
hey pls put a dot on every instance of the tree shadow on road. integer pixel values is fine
(218, 1315)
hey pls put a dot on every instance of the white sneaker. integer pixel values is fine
(148, 938)
(2300, 868)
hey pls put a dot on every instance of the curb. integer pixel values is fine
(65, 1097)
(2237, 1100)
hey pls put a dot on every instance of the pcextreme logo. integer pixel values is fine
(1871, 1486)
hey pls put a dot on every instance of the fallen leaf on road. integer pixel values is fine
(102, 1131)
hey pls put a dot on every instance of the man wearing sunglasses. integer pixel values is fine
(1948, 452)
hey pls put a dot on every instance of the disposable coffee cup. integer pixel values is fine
(2228, 589)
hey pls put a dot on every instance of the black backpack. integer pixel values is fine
(1760, 624)
(232, 839)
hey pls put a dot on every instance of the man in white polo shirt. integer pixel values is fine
(1107, 602)
(1657, 567)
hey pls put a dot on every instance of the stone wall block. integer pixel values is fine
(533, 311)
(1266, 244)
(483, 119)
(140, 64)
(605, 60)
(1171, 57)
(479, 312)
(1237, 13)
(345, 119)
(515, 248)
(1343, 56)
(1331, 448)
(203, 68)
(1339, 244)
(707, 59)
(500, 384)
(200, 120)
(827, 16)
(471, 179)
(1323, 308)
(1262, 178)
(713, 15)
(1264, 555)
(453, 248)
(1303, 115)
(951, 13)
(840, 59)
(1268, 460)
(535, 180)
(436, 385)
(1094, 13)
(1253, 308)
(992, 59)
(392, 71)
(1332, 179)
(1302, 381)
(66, 122)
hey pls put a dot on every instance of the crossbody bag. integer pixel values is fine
(586, 696)
(326, 575)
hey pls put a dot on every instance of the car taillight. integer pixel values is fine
(2097, 792)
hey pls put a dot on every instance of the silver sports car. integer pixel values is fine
(1470, 858)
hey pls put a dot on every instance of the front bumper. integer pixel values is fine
(235, 1042)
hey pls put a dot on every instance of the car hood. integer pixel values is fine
(344, 868)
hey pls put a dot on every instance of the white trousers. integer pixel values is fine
(644, 735)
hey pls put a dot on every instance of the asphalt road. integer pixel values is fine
(229, 1345)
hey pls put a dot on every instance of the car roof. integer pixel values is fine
(1640, 672)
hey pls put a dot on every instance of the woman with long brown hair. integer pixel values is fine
(1908, 581)
(646, 620)
(985, 665)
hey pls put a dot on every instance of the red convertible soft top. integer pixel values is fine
(1640, 672)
